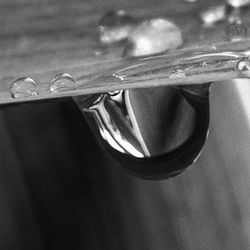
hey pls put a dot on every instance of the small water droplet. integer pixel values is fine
(23, 87)
(244, 66)
(191, 1)
(115, 26)
(236, 31)
(62, 82)
(153, 36)
(213, 15)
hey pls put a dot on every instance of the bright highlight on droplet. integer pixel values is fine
(62, 82)
(23, 87)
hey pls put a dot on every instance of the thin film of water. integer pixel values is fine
(180, 66)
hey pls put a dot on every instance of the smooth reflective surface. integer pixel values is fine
(156, 133)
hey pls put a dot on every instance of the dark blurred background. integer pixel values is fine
(60, 190)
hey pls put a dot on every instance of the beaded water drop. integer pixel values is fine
(23, 87)
(62, 82)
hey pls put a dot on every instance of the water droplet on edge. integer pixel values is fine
(244, 66)
(62, 82)
(23, 87)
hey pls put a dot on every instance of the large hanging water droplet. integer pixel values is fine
(62, 82)
(115, 26)
(23, 87)
(153, 36)
(236, 31)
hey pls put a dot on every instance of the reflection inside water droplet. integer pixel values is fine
(23, 87)
(155, 133)
(62, 82)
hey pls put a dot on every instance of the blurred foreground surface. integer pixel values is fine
(59, 190)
